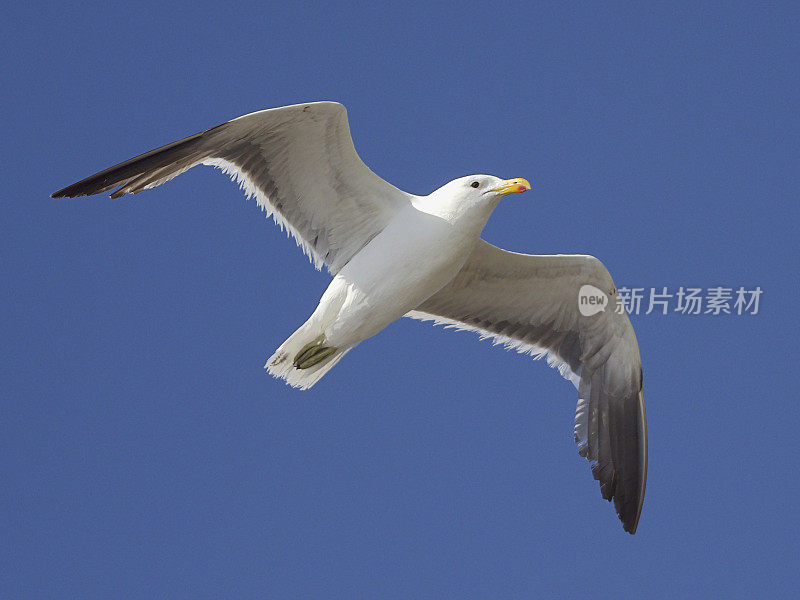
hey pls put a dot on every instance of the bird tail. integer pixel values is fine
(304, 358)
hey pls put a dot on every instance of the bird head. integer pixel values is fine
(475, 195)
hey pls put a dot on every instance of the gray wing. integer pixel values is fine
(531, 303)
(297, 161)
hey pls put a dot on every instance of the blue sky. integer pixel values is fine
(144, 451)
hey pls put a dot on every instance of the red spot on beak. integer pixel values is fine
(521, 188)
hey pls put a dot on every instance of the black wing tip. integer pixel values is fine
(66, 193)
(631, 529)
(623, 477)
(82, 188)
(610, 491)
(124, 172)
(630, 522)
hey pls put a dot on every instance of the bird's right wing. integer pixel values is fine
(298, 161)
(531, 303)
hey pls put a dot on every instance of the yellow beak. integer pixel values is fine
(512, 186)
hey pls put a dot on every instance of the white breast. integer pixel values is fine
(414, 257)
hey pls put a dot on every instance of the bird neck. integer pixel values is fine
(461, 214)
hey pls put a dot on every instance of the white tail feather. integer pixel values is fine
(281, 363)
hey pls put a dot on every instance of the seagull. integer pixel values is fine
(395, 254)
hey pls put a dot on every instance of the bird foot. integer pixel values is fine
(313, 354)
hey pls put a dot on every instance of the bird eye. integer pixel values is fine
(474, 184)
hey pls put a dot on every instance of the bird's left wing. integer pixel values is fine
(531, 303)
(298, 161)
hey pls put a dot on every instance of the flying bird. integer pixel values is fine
(395, 254)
